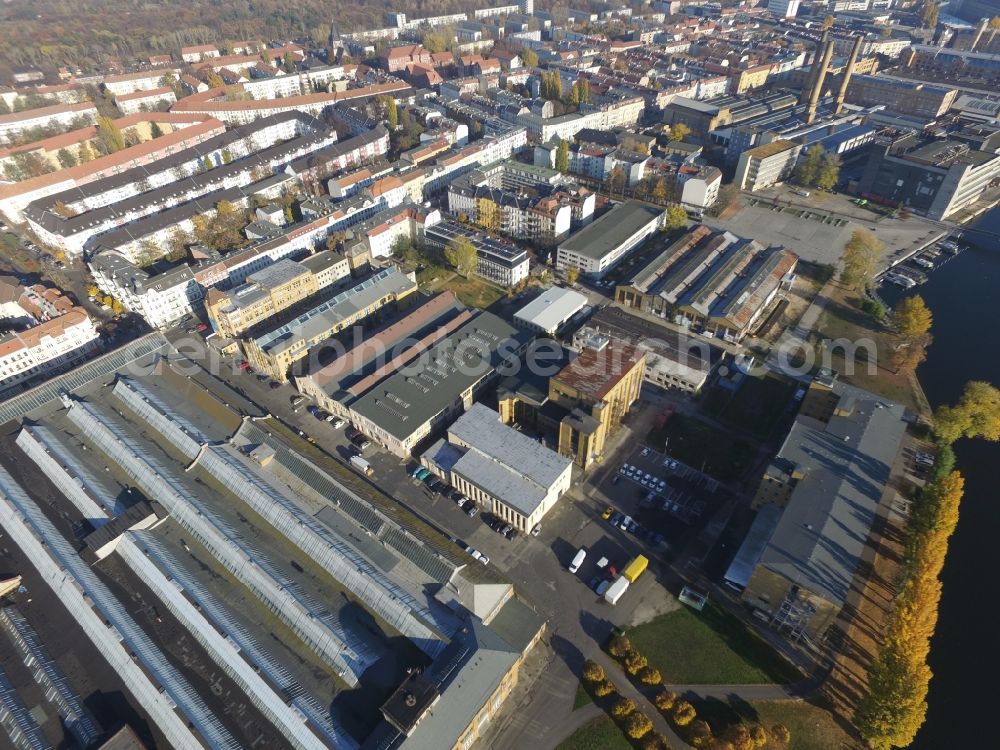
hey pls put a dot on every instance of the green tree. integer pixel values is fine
(391, 111)
(222, 230)
(529, 57)
(562, 156)
(860, 258)
(622, 707)
(660, 192)
(110, 134)
(66, 158)
(679, 132)
(829, 171)
(574, 95)
(977, 414)
(808, 169)
(616, 180)
(85, 153)
(912, 319)
(227, 156)
(638, 725)
(436, 41)
(592, 671)
(572, 275)
(995, 23)
(155, 131)
(462, 255)
(675, 219)
(206, 163)
(5, 109)
(828, 22)
(584, 90)
(288, 62)
(780, 734)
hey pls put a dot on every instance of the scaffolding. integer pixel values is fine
(305, 702)
(312, 623)
(21, 726)
(78, 720)
(160, 690)
(220, 649)
(70, 477)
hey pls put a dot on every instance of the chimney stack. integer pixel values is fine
(813, 69)
(842, 92)
(820, 79)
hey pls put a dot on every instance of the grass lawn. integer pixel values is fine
(473, 291)
(756, 407)
(873, 345)
(708, 647)
(811, 727)
(582, 697)
(695, 442)
(599, 734)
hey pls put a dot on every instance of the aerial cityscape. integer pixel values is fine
(517, 376)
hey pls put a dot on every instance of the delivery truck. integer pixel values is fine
(359, 463)
(635, 568)
(616, 590)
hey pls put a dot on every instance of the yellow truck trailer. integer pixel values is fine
(634, 569)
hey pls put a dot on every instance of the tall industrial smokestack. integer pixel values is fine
(842, 92)
(820, 79)
(813, 69)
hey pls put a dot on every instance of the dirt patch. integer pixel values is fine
(657, 601)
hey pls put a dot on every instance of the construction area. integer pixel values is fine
(240, 594)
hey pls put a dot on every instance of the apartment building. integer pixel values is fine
(161, 299)
(272, 290)
(58, 115)
(145, 101)
(186, 131)
(275, 351)
(143, 80)
(45, 348)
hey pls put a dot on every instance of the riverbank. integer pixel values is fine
(959, 294)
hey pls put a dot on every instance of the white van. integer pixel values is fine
(581, 555)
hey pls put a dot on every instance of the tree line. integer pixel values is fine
(894, 705)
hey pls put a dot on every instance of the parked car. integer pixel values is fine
(511, 534)
(616, 518)
(471, 511)
(536, 529)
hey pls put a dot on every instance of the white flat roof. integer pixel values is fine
(552, 308)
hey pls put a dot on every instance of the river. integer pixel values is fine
(963, 295)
